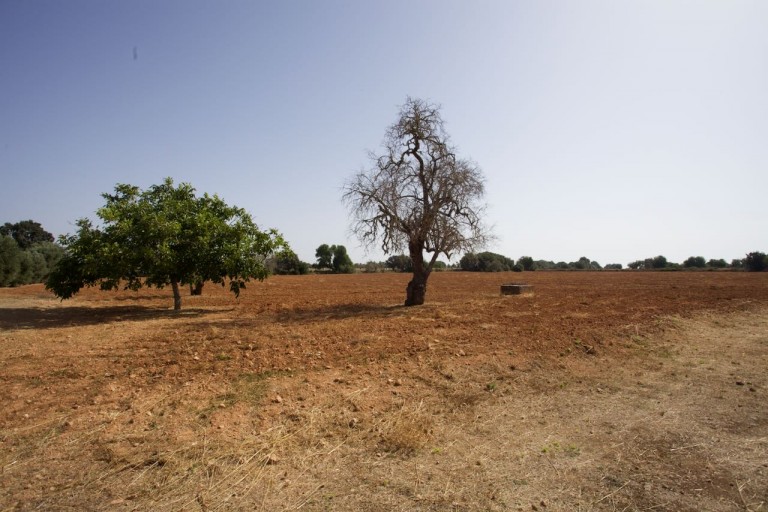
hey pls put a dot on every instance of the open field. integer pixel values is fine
(602, 391)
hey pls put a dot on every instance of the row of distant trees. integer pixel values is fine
(329, 258)
(754, 262)
(492, 262)
(27, 253)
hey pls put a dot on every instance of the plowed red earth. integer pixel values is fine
(113, 401)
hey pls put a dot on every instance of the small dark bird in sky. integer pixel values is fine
(135, 53)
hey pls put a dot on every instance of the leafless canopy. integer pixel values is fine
(418, 196)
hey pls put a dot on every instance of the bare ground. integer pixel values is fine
(610, 391)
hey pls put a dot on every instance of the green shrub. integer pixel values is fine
(695, 262)
(756, 262)
(721, 263)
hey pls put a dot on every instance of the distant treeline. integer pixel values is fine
(334, 259)
(492, 262)
(28, 254)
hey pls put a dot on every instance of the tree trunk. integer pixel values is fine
(417, 290)
(196, 288)
(176, 295)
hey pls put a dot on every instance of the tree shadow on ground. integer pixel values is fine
(51, 318)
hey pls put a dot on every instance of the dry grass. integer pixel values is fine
(579, 398)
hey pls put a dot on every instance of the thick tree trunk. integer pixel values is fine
(176, 295)
(417, 290)
(196, 288)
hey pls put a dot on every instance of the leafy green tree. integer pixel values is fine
(492, 262)
(637, 265)
(324, 256)
(614, 266)
(545, 264)
(527, 263)
(10, 260)
(288, 263)
(470, 262)
(486, 262)
(756, 262)
(418, 196)
(32, 267)
(342, 263)
(51, 253)
(719, 263)
(400, 263)
(659, 262)
(582, 264)
(26, 233)
(695, 262)
(737, 263)
(162, 236)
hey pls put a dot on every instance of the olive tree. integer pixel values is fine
(418, 196)
(162, 236)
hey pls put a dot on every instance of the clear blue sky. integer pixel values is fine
(612, 130)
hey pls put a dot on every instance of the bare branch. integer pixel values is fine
(418, 195)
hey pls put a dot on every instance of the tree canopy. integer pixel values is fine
(418, 196)
(324, 256)
(756, 261)
(695, 262)
(26, 233)
(161, 236)
(486, 262)
(27, 253)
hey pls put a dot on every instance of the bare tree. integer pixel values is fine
(418, 196)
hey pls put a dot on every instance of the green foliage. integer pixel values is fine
(486, 262)
(51, 253)
(469, 262)
(342, 263)
(20, 266)
(440, 266)
(324, 256)
(695, 262)
(756, 262)
(582, 264)
(527, 263)
(26, 233)
(737, 263)
(400, 263)
(164, 235)
(659, 262)
(613, 266)
(10, 260)
(288, 263)
(545, 265)
(31, 268)
(720, 263)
